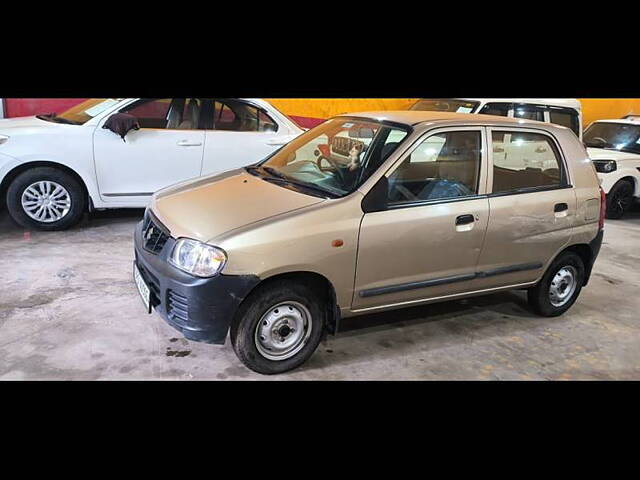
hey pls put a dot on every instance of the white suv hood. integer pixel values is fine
(602, 154)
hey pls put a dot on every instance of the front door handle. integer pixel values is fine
(465, 220)
(187, 143)
(560, 207)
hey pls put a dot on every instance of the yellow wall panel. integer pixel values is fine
(593, 108)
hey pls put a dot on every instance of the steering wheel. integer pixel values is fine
(600, 139)
(334, 168)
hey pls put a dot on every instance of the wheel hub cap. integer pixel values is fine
(46, 201)
(283, 331)
(563, 286)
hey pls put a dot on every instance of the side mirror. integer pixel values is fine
(377, 199)
(121, 124)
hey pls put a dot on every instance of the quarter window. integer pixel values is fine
(566, 118)
(443, 166)
(523, 160)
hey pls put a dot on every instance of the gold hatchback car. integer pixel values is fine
(370, 212)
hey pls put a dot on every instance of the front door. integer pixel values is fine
(427, 243)
(167, 149)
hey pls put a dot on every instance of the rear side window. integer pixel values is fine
(529, 112)
(566, 118)
(523, 160)
(233, 115)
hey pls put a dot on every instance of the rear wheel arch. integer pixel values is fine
(12, 174)
(585, 253)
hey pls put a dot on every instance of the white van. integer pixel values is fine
(562, 111)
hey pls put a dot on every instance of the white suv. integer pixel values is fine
(53, 168)
(614, 147)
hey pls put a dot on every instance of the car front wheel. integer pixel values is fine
(45, 198)
(278, 327)
(619, 199)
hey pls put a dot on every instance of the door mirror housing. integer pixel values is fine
(377, 200)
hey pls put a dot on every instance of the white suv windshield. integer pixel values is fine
(333, 159)
(613, 136)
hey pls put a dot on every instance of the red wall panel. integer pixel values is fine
(22, 107)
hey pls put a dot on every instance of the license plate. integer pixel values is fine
(143, 290)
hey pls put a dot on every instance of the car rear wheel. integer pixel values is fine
(45, 198)
(559, 287)
(278, 327)
(619, 199)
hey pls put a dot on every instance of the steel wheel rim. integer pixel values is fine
(283, 331)
(46, 201)
(563, 286)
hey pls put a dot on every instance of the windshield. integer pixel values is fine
(82, 113)
(613, 136)
(445, 105)
(334, 158)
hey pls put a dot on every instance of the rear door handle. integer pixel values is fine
(465, 220)
(187, 143)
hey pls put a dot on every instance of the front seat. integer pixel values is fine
(174, 116)
(192, 116)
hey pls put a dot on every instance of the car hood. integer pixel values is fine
(24, 124)
(207, 207)
(602, 154)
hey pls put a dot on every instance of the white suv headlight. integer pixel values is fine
(197, 258)
(3, 139)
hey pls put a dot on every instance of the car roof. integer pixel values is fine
(556, 102)
(416, 117)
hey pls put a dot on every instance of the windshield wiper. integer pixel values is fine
(276, 176)
(52, 117)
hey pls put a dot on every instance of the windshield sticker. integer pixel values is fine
(465, 109)
(348, 125)
(101, 107)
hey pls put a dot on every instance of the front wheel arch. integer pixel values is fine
(12, 174)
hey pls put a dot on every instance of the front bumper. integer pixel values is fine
(200, 308)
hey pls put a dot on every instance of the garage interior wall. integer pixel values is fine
(308, 112)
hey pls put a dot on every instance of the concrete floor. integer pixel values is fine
(69, 310)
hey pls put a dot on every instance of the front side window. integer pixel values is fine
(523, 160)
(237, 116)
(623, 137)
(334, 158)
(443, 166)
(445, 105)
(166, 113)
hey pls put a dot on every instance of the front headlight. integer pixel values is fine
(605, 166)
(3, 139)
(197, 258)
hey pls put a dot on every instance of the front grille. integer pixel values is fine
(177, 307)
(153, 236)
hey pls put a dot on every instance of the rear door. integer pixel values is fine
(427, 243)
(238, 133)
(532, 207)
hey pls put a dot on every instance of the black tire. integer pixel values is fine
(619, 199)
(539, 296)
(29, 177)
(244, 330)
